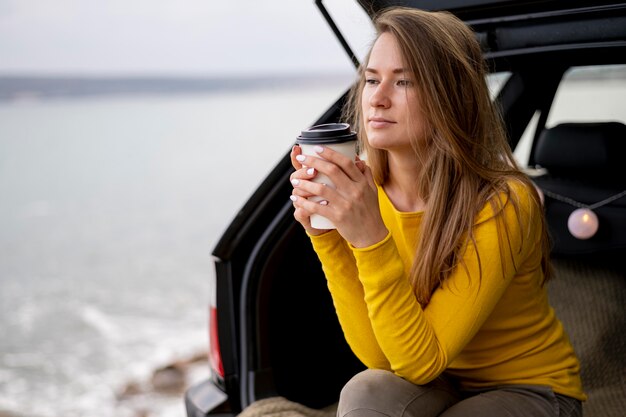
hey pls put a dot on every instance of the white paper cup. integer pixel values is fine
(336, 136)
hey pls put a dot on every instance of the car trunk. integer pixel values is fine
(302, 352)
(588, 295)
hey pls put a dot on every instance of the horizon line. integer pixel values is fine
(20, 87)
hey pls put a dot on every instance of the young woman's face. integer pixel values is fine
(389, 101)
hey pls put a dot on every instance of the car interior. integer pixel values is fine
(589, 290)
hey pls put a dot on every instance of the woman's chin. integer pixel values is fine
(377, 139)
(385, 142)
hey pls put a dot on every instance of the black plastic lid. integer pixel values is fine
(328, 133)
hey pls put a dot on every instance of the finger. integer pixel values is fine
(333, 171)
(347, 165)
(295, 151)
(304, 173)
(369, 176)
(310, 188)
(301, 175)
(336, 175)
(312, 207)
(302, 217)
(299, 192)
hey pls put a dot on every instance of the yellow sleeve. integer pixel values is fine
(348, 298)
(420, 344)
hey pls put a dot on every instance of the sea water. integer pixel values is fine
(109, 209)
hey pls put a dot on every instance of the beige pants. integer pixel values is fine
(376, 393)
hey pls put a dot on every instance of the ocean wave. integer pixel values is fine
(100, 322)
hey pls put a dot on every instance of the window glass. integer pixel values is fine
(495, 82)
(585, 94)
(590, 94)
(522, 150)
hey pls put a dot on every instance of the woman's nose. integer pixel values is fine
(380, 98)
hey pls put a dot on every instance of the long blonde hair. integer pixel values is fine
(469, 161)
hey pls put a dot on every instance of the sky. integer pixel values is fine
(183, 37)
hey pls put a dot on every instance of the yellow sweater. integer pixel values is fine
(484, 331)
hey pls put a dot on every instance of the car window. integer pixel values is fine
(495, 82)
(585, 94)
(590, 94)
(522, 150)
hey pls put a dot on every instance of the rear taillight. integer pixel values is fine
(215, 357)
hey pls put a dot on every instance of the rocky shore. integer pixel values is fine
(158, 395)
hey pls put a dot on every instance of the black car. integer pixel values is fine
(559, 74)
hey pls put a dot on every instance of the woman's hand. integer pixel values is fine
(302, 173)
(352, 205)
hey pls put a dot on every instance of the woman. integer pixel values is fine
(438, 263)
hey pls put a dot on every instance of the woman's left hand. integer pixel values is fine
(352, 205)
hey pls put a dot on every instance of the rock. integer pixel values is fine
(198, 357)
(169, 379)
(131, 389)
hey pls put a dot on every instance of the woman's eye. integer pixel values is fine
(404, 83)
(371, 81)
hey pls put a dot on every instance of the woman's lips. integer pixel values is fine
(380, 122)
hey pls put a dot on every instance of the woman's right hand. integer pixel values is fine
(302, 173)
